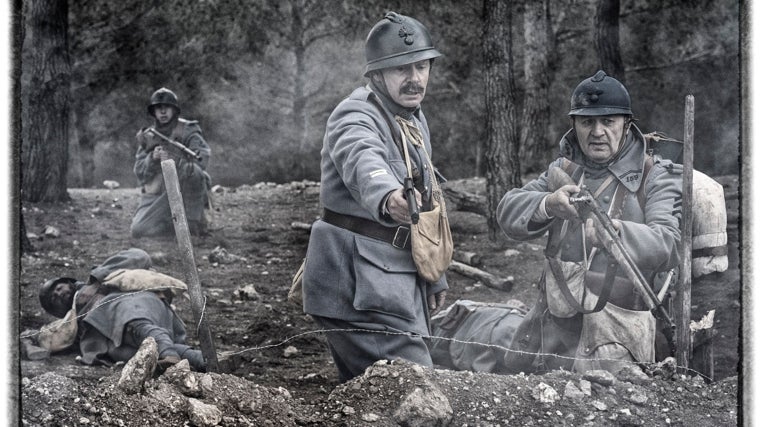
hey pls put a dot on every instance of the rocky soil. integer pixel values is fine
(279, 371)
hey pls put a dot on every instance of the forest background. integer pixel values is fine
(262, 76)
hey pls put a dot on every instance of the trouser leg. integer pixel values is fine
(153, 217)
(138, 330)
(354, 351)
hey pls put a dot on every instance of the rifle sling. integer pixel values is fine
(604, 295)
(552, 251)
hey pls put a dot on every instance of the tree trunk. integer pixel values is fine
(502, 136)
(607, 38)
(25, 245)
(45, 101)
(535, 148)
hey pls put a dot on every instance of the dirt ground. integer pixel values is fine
(279, 359)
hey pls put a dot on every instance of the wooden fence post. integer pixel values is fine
(182, 231)
(683, 291)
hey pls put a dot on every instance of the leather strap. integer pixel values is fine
(559, 277)
(552, 250)
(399, 236)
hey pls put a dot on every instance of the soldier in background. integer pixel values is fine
(153, 216)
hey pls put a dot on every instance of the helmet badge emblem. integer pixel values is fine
(589, 98)
(407, 35)
(403, 32)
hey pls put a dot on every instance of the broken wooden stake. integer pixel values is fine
(488, 279)
(182, 231)
(682, 303)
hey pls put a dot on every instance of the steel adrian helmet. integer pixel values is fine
(46, 296)
(600, 95)
(163, 96)
(397, 40)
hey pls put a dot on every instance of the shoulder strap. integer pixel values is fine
(641, 193)
(570, 168)
(179, 131)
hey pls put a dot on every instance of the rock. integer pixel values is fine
(370, 417)
(139, 368)
(202, 414)
(599, 405)
(633, 374)
(545, 393)
(585, 387)
(599, 376)
(636, 395)
(665, 369)
(186, 381)
(511, 252)
(573, 392)
(110, 184)
(248, 293)
(289, 351)
(221, 256)
(51, 231)
(421, 408)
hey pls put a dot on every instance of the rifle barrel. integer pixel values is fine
(614, 246)
(176, 144)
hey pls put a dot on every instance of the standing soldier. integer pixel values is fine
(359, 278)
(607, 153)
(153, 216)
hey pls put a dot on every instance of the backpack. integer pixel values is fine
(466, 323)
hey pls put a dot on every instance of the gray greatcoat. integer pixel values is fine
(105, 314)
(153, 216)
(650, 234)
(349, 276)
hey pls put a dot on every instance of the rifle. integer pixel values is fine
(588, 207)
(176, 144)
(411, 200)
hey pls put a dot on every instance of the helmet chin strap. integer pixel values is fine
(378, 78)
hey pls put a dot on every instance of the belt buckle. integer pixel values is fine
(400, 238)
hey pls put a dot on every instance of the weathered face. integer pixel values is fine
(62, 296)
(406, 84)
(163, 113)
(600, 137)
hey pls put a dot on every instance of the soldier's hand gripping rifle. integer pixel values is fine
(588, 207)
(176, 144)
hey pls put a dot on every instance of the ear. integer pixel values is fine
(377, 77)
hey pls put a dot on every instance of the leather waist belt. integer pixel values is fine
(623, 294)
(399, 236)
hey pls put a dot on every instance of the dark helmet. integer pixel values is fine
(397, 40)
(600, 95)
(163, 96)
(46, 296)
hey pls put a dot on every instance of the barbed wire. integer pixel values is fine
(362, 330)
(455, 340)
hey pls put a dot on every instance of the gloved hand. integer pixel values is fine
(593, 234)
(558, 203)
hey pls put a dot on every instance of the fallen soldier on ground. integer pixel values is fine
(108, 317)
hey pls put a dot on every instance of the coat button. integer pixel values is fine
(606, 199)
